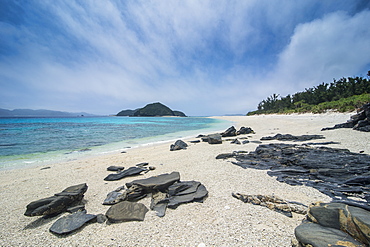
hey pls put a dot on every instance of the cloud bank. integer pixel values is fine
(201, 57)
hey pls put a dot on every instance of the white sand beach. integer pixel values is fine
(220, 220)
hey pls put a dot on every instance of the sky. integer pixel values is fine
(202, 57)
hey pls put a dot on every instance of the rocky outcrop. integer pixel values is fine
(58, 203)
(338, 173)
(289, 137)
(151, 110)
(359, 121)
(334, 224)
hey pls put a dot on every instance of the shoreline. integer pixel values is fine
(220, 220)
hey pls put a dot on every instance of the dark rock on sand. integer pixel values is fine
(179, 144)
(213, 139)
(289, 137)
(337, 173)
(132, 171)
(70, 223)
(235, 141)
(244, 131)
(115, 168)
(58, 203)
(159, 203)
(191, 191)
(229, 132)
(126, 211)
(359, 121)
(160, 182)
(195, 141)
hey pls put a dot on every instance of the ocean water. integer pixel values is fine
(41, 141)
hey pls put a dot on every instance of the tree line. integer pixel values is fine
(325, 92)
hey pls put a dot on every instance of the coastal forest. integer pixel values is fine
(345, 94)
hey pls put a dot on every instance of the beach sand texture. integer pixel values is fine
(220, 221)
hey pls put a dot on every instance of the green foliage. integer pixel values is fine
(343, 95)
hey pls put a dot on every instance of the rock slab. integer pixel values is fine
(126, 211)
(70, 223)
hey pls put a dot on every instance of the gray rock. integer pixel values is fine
(199, 195)
(214, 139)
(244, 131)
(132, 171)
(126, 211)
(58, 203)
(160, 182)
(179, 144)
(70, 223)
(159, 203)
(229, 132)
(115, 168)
(101, 218)
(311, 234)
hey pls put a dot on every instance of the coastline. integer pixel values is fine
(220, 220)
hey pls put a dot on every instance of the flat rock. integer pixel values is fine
(311, 234)
(132, 171)
(115, 168)
(335, 172)
(160, 182)
(70, 223)
(126, 211)
(289, 137)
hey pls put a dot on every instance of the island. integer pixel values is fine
(151, 110)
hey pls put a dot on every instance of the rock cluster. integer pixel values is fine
(338, 173)
(334, 224)
(217, 138)
(58, 203)
(167, 191)
(359, 121)
(131, 171)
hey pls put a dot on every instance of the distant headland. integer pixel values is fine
(151, 110)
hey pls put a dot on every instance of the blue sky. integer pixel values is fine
(201, 57)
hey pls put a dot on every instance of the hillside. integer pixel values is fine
(151, 110)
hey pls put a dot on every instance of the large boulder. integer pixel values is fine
(229, 132)
(58, 203)
(213, 139)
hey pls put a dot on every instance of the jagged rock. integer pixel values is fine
(113, 198)
(58, 203)
(179, 144)
(289, 137)
(274, 203)
(126, 211)
(359, 121)
(115, 168)
(72, 222)
(132, 171)
(160, 182)
(134, 193)
(101, 218)
(185, 192)
(314, 235)
(335, 172)
(229, 132)
(244, 131)
(236, 141)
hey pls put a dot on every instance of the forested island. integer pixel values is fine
(151, 110)
(343, 95)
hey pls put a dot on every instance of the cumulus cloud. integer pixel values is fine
(202, 57)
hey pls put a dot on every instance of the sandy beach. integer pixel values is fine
(220, 220)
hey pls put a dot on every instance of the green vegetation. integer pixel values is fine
(152, 110)
(343, 95)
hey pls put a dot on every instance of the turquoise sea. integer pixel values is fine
(41, 141)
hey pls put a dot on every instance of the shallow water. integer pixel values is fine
(27, 141)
